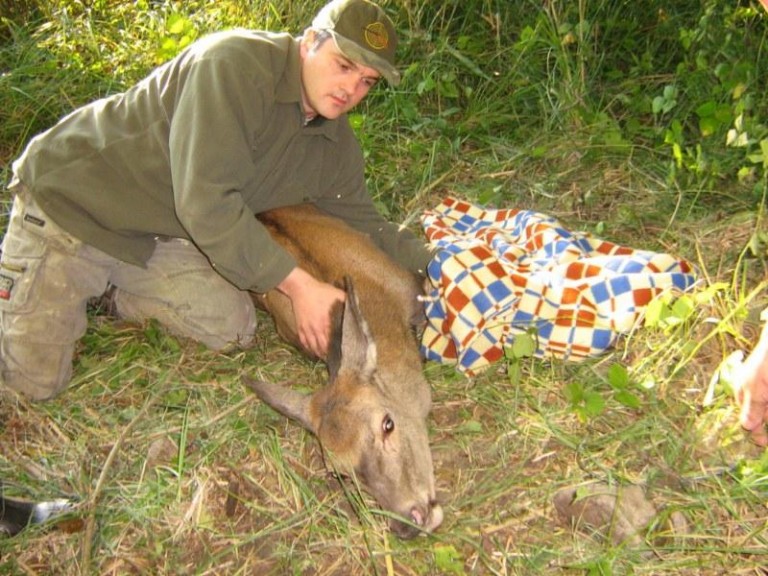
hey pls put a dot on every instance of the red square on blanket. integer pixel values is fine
(456, 299)
(642, 296)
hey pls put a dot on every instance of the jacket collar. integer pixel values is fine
(288, 90)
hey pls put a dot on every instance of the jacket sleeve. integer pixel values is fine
(347, 198)
(217, 111)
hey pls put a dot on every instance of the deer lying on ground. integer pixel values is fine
(371, 418)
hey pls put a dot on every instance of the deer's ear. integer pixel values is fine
(333, 361)
(288, 402)
(352, 347)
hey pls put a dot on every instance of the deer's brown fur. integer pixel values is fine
(372, 416)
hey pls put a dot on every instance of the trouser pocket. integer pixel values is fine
(20, 262)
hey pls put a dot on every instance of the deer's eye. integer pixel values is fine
(388, 425)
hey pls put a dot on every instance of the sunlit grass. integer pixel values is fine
(180, 470)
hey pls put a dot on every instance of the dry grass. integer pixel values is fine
(180, 470)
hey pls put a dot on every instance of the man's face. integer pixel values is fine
(331, 83)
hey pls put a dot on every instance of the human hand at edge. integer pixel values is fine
(312, 301)
(752, 394)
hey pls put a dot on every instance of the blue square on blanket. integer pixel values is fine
(620, 285)
(470, 357)
(522, 319)
(499, 291)
(459, 276)
(628, 265)
(600, 292)
(479, 265)
(465, 223)
(544, 330)
(429, 354)
(601, 339)
(483, 302)
(434, 307)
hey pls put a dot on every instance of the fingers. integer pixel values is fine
(760, 437)
(753, 418)
(314, 318)
(316, 341)
(752, 396)
(753, 421)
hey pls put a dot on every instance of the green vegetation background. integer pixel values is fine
(678, 86)
(644, 122)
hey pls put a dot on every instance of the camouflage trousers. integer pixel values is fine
(47, 277)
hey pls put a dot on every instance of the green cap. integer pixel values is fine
(363, 33)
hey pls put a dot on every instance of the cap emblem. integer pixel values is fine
(376, 36)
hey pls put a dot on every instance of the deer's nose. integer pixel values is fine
(423, 519)
(428, 518)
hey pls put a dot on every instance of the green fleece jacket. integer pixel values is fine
(197, 148)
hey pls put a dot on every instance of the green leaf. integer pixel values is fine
(655, 312)
(745, 174)
(677, 152)
(448, 88)
(574, 392)
(523, 346)
(657, 104)
(471, 427)
(448, 560)
(177, 24)
(168, 48)
(594, 404)
(707, 295)
(707, 109)
(627, 399)
(426, 85)
(601, 567)
(185, 41)
(683, 307)
(618, 377)
(356, 120)
(708, 126)
(527, 35)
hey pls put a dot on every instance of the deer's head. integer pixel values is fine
(371, 421)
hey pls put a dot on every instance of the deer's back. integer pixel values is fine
(330, 250)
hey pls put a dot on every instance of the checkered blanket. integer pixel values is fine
(503, 272)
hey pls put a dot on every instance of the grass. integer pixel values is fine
(180, 470)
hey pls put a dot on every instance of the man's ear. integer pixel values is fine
(307, 41)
